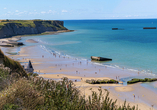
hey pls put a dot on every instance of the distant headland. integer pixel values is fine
(10, 28)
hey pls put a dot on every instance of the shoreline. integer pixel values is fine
(12, 41)
(48, 65)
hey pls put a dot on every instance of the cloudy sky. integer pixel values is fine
(78, 9)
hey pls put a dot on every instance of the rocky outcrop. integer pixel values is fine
(36, 27)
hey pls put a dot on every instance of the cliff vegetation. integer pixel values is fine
(21, 27)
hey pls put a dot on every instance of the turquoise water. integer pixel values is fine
(131, 47)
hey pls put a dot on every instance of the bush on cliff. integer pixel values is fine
(21, 93)
(15, 66)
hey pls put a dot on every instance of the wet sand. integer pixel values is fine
(53, 66)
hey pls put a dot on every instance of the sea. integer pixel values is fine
(130, 47)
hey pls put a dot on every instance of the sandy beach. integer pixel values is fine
(53, 66)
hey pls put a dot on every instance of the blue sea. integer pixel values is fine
(131, 47)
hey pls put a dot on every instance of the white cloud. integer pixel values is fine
(64, 11)
(43, 12)
(5, 8)
(51, 11)
(17, 11)
(30, 13)
(128, 16)
(136, 15)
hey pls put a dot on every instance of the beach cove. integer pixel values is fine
(56, 67)
(52, 64)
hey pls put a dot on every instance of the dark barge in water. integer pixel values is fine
(100, 58)
(149, 27)
(114, 28)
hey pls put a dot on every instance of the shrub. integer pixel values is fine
(101, 81)
(30, 74)
(35, 74)
(135, 80)
(21, 93)
(40, 94)
(9, 106)
(4, 73)
(15, 66)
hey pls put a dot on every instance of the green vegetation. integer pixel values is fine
(24, 23)
(32, 74)
(101, 81)
(4, 73)
(135, 80)
(31, 23)
(10, 107)
(60, 27)
(13, 65)
(39, 94)
(48, 24)
(20, 23)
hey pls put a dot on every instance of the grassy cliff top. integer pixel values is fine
(30, 23)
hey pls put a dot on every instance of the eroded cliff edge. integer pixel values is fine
(10, 28)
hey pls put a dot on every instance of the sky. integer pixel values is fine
(78, 9)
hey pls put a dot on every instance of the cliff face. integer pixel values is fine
(13, 28)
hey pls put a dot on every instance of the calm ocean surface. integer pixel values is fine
(131, 47)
